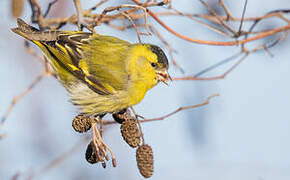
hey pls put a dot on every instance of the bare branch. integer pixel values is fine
(243, 16)
(49, 7)
(207, 101)
(229, 43)
(139, 124)
(79, 14)
(16, 99)
(60, 158)
(218, 18)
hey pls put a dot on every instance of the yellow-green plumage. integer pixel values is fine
(102, 74)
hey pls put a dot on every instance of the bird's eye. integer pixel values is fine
(153, 64)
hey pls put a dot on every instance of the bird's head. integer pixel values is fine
(159, 64)
(149, 64)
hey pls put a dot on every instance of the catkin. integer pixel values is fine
(91, 155)
(130, 132)
(121, 116)
(81, 123)
(145, 161)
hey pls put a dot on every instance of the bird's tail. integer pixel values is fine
(25, 30)
(33, 34)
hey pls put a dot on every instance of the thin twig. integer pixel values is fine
(139, 124)
(36, 16)
(243, 51)
(213, 19)
(218, 18)
(17, 98)
(207, 101)
(229, 16)
(97, 5)
(32, 52)
(218, 64)
(60, 158)
(59, 22)
(222, 76)
(79, 10)
(194, 18)
(229, 43)
(127, 15)
(49, 7)
(133, 24)
(243, 16)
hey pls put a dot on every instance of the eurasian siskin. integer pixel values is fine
(102, 74)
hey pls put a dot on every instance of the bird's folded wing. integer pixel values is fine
(105, 59)
(97, 60)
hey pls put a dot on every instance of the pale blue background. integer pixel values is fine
(241, 135)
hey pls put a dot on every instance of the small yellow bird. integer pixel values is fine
(102, 74)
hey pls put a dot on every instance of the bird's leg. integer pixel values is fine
(101, 127)
(97, 143)
(100, 142)
(101, 146)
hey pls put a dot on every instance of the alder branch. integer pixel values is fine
(229, 43)
(17, 98)
(215, 77)
(32, 52)
(243, 52)
(63, 156)
(54, 162)
(49, 7)
(79, 10)
(90, 19)
(220, 21)
(206, 102)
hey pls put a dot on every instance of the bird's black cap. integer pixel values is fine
(161, 57)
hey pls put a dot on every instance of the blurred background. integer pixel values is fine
(242, 134)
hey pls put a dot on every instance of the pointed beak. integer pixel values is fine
(163, 76)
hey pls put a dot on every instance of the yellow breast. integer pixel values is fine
(140, 82)
(141, 75)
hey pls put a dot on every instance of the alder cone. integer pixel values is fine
(121, 116)
(81, 123)
(130, 132)
(91, 155)
(145, 161)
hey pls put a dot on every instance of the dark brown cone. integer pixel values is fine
(81, 123)
(130, 132)
(145, 161)
(121, 116)
(91, 155)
